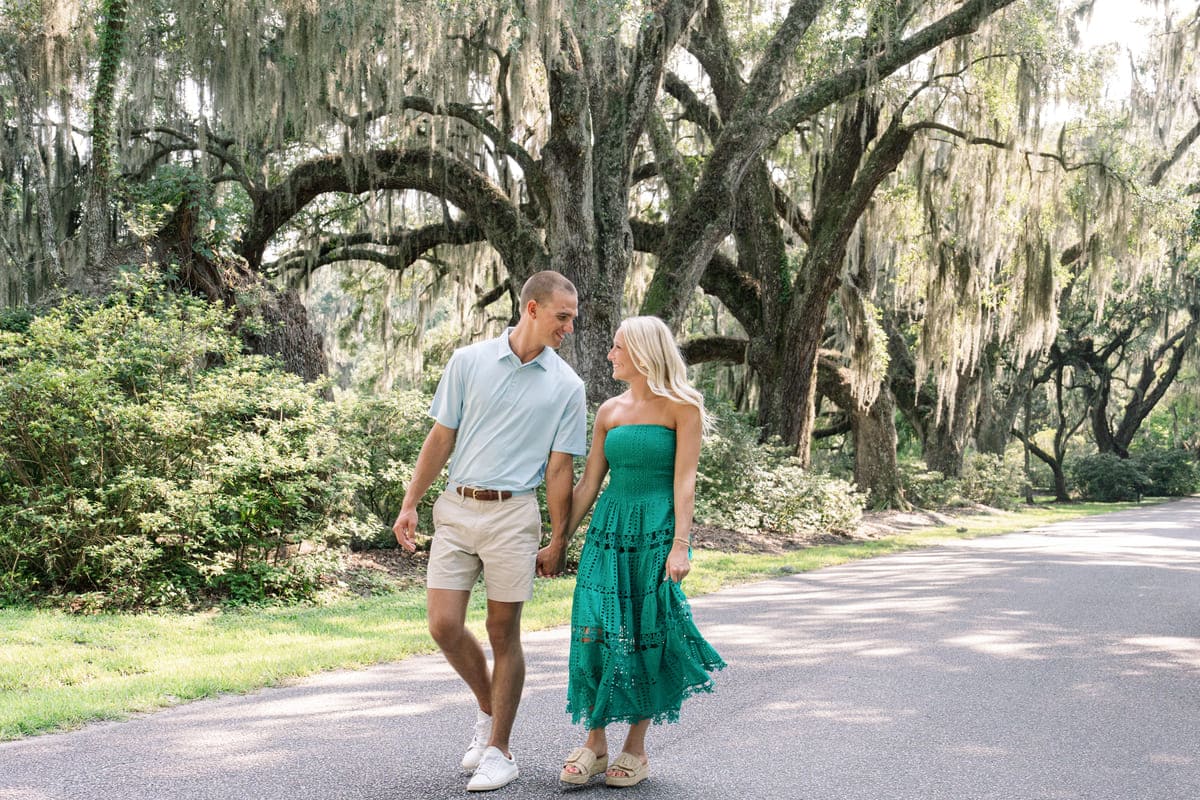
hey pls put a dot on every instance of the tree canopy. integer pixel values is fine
(938, 212)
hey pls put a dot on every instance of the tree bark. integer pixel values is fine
(269, 322)
(112, 46)
(946, 434)
(846, 188)
(695, 233)
(1055, 463)
(571, 235)
(517, 241)
(873, 429)
(999, 405)
(36, 166)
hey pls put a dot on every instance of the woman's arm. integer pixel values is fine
(687, 461)
(552, 558)
(594, 471)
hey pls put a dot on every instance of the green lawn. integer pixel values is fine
(59, 670)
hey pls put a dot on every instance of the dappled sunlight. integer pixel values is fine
(1180, 651)
(973, 605)
(996, 656)
(1172, 759)
(1003, 644)
(843, 712)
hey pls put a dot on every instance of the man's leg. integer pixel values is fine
(508, 672)
(447, 613)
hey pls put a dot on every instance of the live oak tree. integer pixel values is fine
(735, 150)
(525, 119)
(1007, 234)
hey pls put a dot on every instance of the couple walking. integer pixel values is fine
(509, 412)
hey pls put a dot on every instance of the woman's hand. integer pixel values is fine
(678, 563)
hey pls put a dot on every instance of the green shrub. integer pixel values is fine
(928, 488)
(1108, 478)
(1169, 473)
(992, 480)
(744, 485)
(144, 457)
(987, 479)
(386, 433)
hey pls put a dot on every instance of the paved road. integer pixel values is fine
(1057, 664)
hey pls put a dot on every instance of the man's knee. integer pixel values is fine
(504, 625)
(446, 615)
(446, 630)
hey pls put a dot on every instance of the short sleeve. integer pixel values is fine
(447, 406)
(571, 436)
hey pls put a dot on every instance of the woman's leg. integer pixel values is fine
(635, 745)
(597, 742)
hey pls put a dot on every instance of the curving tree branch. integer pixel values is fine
(397, 251)
(425, 170)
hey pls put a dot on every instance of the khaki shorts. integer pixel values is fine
(497, 537)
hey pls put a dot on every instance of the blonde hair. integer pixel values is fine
(652, 348)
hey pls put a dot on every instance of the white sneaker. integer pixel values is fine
(483, 732)
(495, 770)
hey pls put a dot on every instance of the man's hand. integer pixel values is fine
(406, 530)
(551, 560)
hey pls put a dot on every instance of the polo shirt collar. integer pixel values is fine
(542, 359)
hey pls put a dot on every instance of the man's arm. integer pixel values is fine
(434, 455)
(560, 476)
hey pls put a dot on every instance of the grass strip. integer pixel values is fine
(60, 670)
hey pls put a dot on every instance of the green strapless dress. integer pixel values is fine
(635, 651)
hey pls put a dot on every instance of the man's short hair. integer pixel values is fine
(543, 284)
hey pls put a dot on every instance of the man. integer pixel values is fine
(511, 411)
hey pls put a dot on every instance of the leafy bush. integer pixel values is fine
(992, 480)
(744, 485)
(1108, 478)
(386, 433)
(927, 488)
(988, 479)
(143, 456)
(1169, 473)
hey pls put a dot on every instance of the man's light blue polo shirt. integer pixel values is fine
(509, 415)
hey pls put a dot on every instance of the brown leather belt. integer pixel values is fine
(483, 494)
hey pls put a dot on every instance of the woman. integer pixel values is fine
(635, 652)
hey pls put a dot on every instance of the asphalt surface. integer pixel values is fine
(1060, 663)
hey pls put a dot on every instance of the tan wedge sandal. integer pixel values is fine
(588, 763)
(634, 768)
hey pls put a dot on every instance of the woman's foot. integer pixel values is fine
(627, 770)
(582, 765)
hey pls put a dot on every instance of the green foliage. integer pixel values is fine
(927, 488)
(1174, 424)
(386, 434)
(144, 457)
(987, 479)
(992, 480)
(15, 320)
(1106, 477)
(1169, 473)
(744, 485)
(174, 188)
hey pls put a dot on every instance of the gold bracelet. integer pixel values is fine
(688, 542)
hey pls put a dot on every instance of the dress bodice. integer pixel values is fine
(641, 459)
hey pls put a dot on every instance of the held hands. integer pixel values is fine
(678, 563)
(406, 530)
(551, 560)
